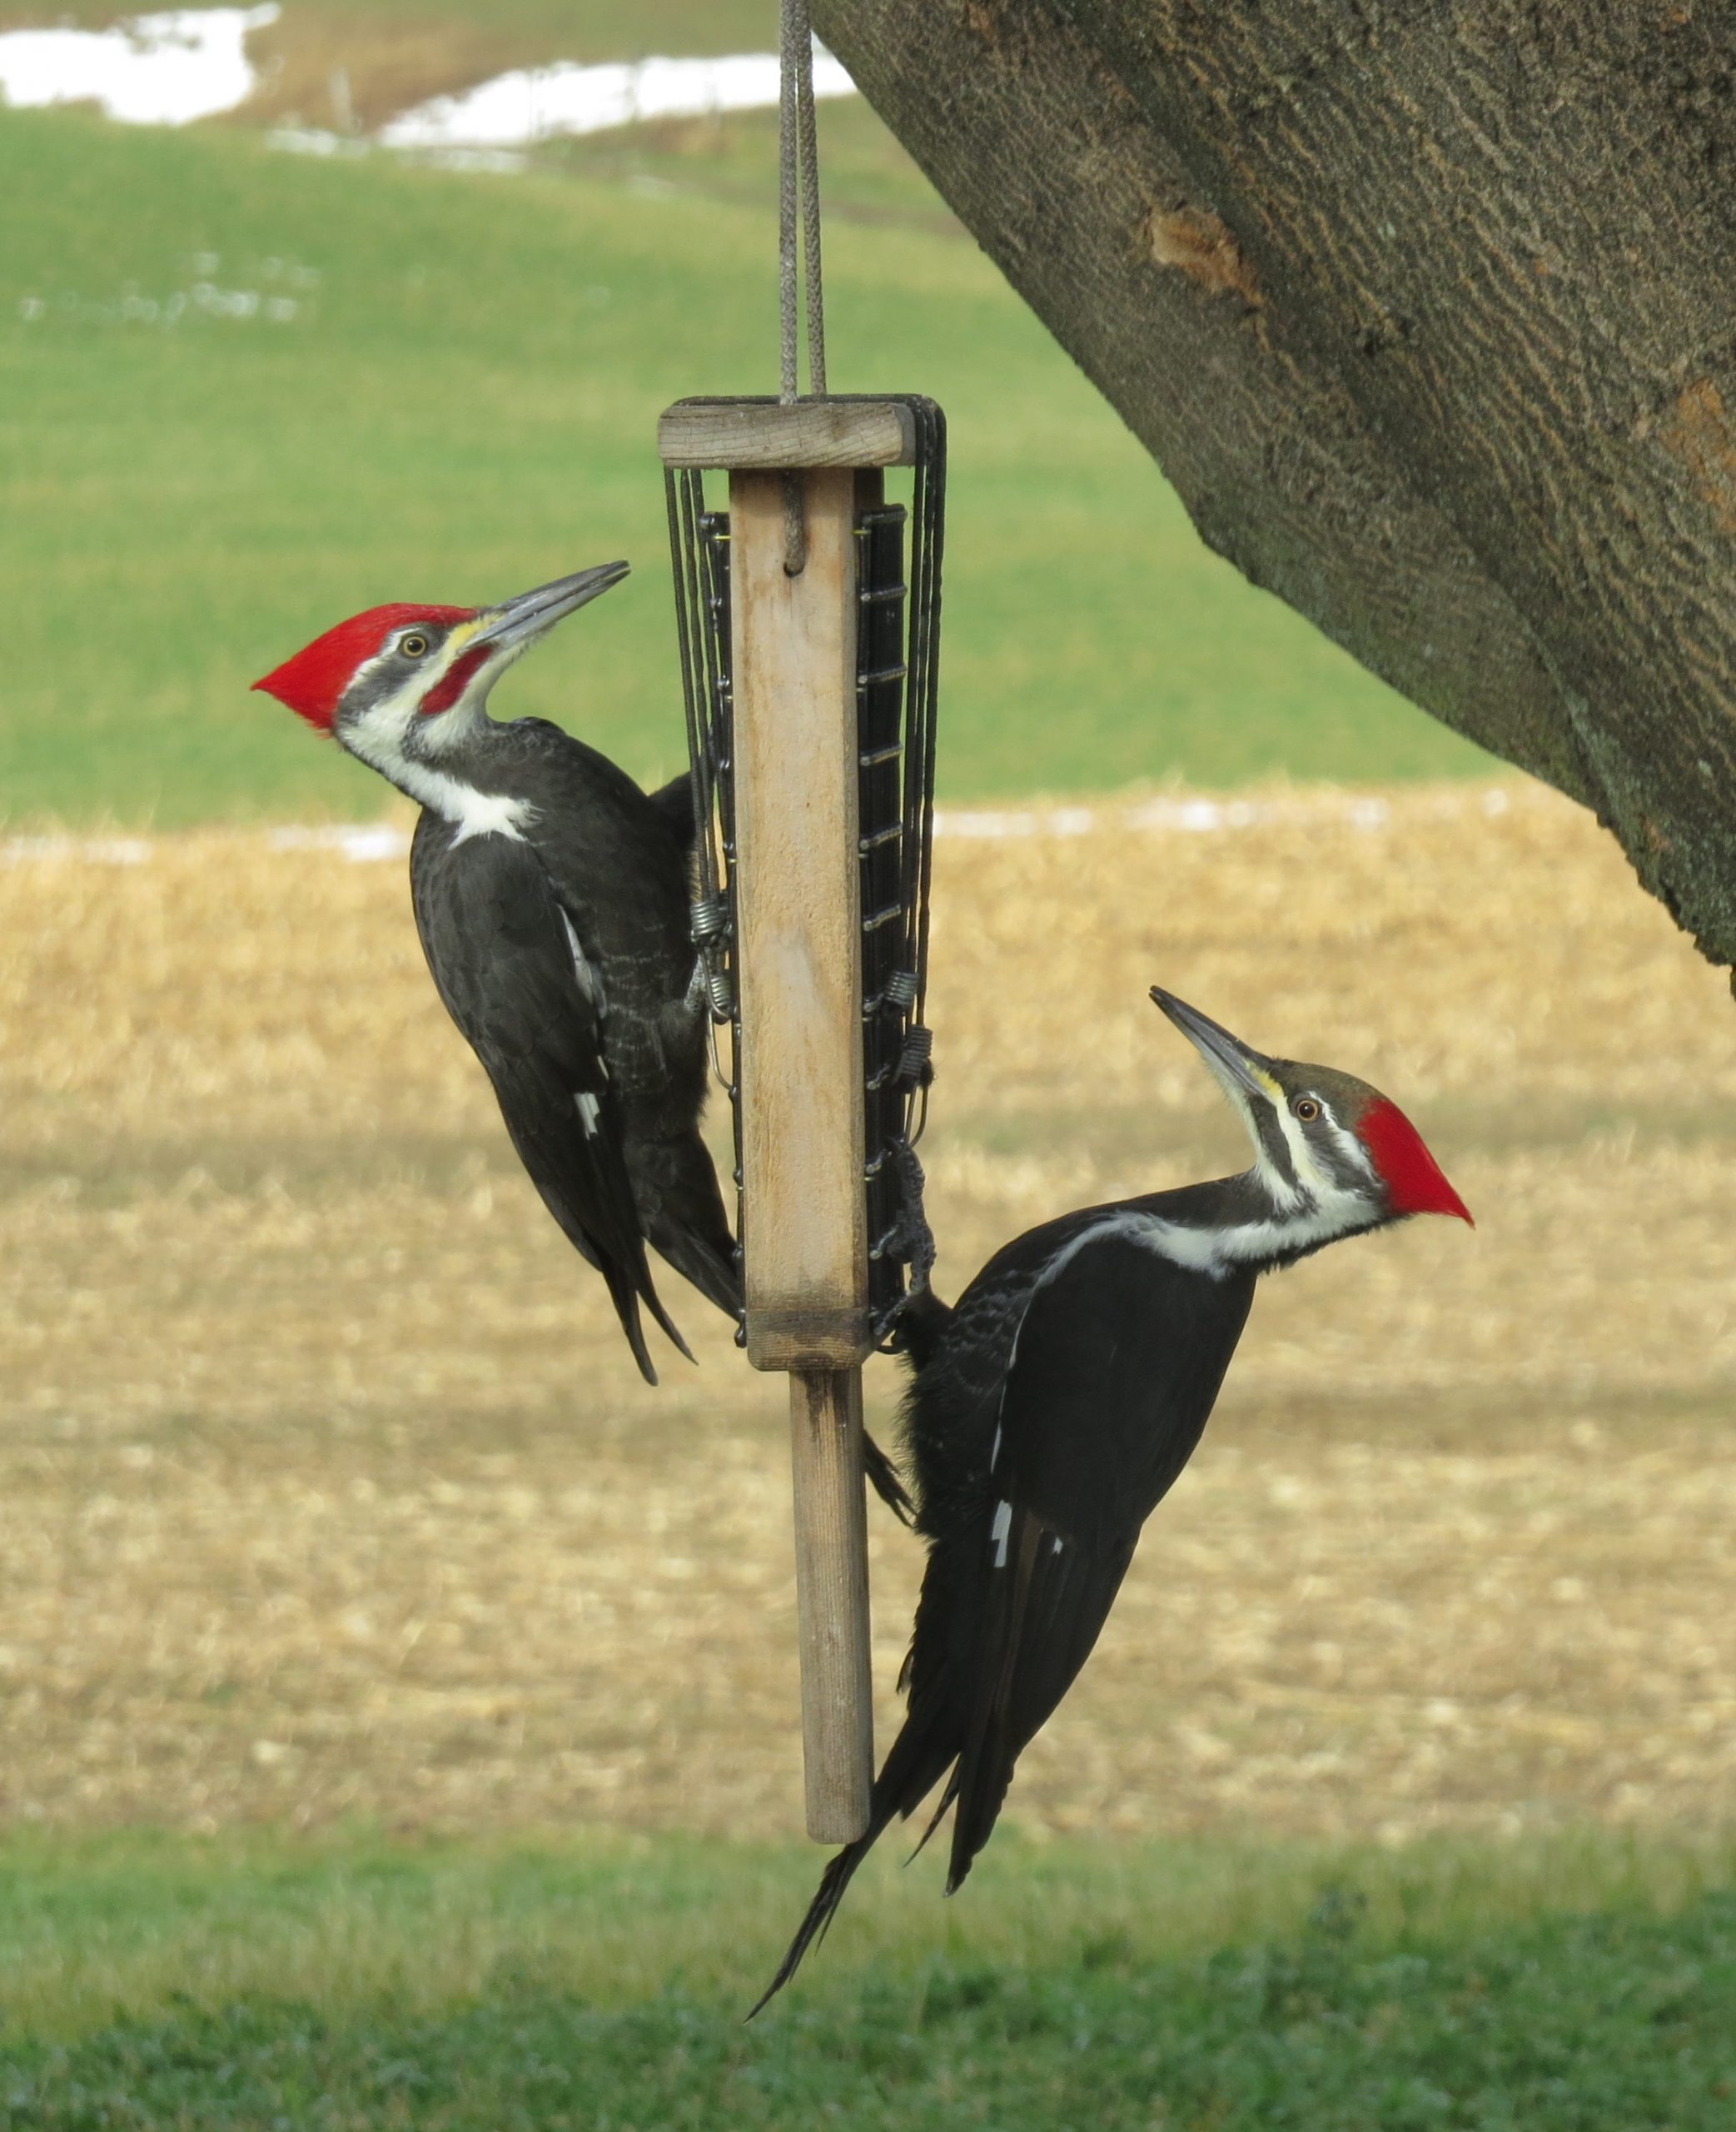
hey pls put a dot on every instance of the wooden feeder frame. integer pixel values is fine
(803, 476)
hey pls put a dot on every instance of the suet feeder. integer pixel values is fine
(807, 615)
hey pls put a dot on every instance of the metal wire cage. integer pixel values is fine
(898, 548)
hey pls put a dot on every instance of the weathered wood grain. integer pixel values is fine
(746, 433)
(800, 943)
(799, 970)
(832, 1602)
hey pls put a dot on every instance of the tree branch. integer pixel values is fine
(1426, 314)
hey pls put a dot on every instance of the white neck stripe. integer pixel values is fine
(1218, 1252)
(378, 737)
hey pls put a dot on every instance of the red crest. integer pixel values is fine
(312, 684)
(1414, 1182)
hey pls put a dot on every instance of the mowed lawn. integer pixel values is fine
(463, 403)
(245, 1985)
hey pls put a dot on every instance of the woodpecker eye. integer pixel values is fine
(413, 645)
(1306, 1109)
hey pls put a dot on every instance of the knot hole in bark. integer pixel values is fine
(1199, 244)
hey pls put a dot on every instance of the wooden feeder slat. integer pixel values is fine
(799, 940)
(769, 434)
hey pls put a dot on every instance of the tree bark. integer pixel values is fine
(1428, 309)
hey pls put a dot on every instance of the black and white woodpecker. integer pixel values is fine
(553, 899)
(1052, 1408)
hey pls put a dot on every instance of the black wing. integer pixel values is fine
(1114, 1371)
(1116, 1368)
(674, 802)
(507, 960)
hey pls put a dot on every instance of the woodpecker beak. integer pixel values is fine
(522, 621)
(1243, 1072)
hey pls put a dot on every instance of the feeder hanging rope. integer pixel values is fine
(798, 197)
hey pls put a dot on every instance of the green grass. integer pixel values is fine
(865, 175)
(465, 405)
(1568, 1986)
(592, 30)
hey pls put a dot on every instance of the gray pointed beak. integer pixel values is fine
(1237, 1066)
(519, 621)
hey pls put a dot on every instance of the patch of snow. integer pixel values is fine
(366, 842)
(536, 103)
(153, 70)
(1194, 813)
(314, 141)
(92, 850)
(362, 842)
(170, 69)
(318, 140)
(489, 162)
(268, 302)
(991, 822)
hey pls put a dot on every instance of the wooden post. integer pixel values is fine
(832, 1601)
(798, 954)
(799, 966)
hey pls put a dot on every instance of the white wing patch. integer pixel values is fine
(589, 984)
(998, 1531)
(588, 1108)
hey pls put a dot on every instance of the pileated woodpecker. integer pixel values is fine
(552, 896)
(1054, 1407)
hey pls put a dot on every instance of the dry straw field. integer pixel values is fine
(325, 1489)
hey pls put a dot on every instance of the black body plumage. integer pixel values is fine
(1048, 1414)
(565, 956)
(563, 952)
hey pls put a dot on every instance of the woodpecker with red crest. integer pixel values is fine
(553, 899)
(1053, 1407)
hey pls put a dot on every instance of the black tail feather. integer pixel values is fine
(712, 1271)
(836, 1878)
(927, 1742)
(1041, 1631)
(624, 1294)
(650, 1296)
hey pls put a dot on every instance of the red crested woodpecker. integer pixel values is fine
(1051, 1410)
(552, 897)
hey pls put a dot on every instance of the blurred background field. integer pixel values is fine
(330, 1512)
(330, 1491)
(463, 404)
(398, 1698)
